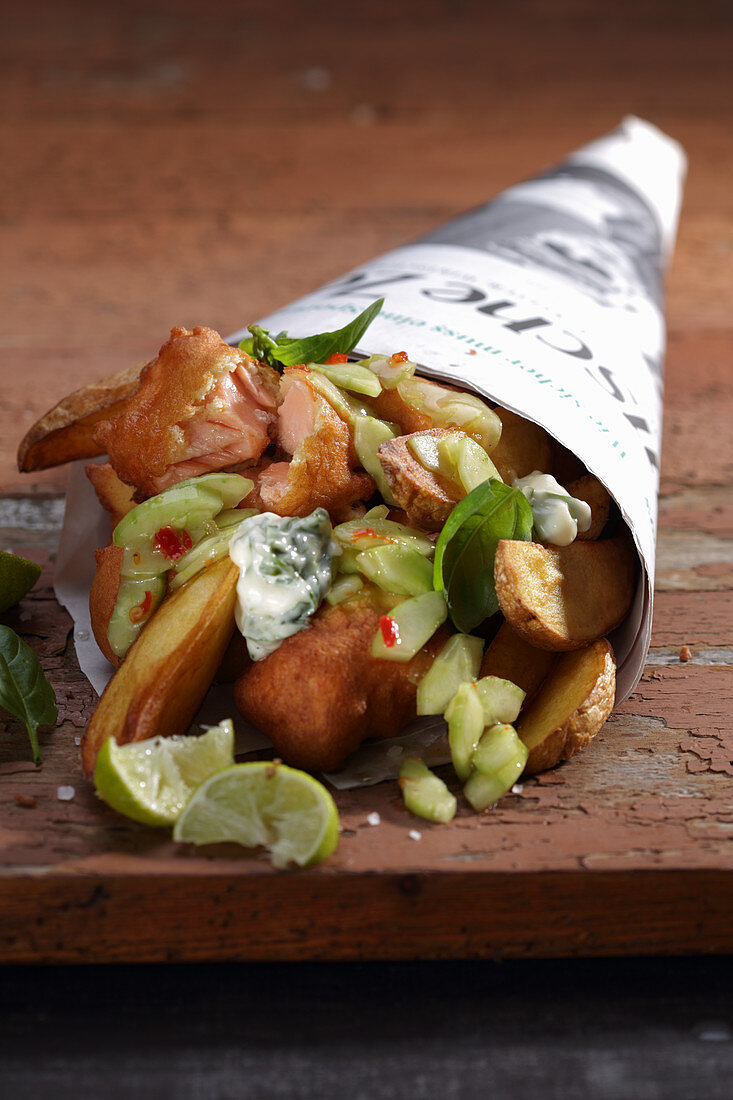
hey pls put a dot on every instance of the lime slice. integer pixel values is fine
(263, 804)
(17, 576)
(151, 781)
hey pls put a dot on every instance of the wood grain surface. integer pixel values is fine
(170, 168)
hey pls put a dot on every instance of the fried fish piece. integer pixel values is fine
(321, 693)
(321, 473)
(200, 406)
(103, 596)
(115, 497)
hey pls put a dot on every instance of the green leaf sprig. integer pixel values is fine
(285, 351)
(465, 551)
(24, 690)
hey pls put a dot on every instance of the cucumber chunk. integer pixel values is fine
(370, 531)
(390, 370)
(409, 626)
(230, 488)
(348, 408)
(397, 568)
(180, 507)
(465, 718)
(350, 376)
(458, 662)
(425, 794)
(232, 517)
(498, 762)
(470, 461)
(369, 433)
(137, 599)
(501, 699)
(343, 588)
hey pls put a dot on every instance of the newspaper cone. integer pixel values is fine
(548, 300)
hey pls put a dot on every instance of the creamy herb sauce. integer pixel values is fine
(557, 516)
(285, 569)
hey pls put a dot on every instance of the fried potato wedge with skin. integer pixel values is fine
(103, 596)
(522, 448)
(321, 693)
(589, 489)
(116, 498)
(561, 598)
(165, 675)
(510, 657)
(426, 498)
(65, 433)
(576, 699)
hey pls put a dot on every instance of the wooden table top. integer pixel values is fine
(170, 170)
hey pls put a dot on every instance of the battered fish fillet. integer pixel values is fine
(321, 472)
(321, 693)
(200, 406)
(115, 497)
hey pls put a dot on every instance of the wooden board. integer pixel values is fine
(156, 214)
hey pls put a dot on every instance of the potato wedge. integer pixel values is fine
(589, 489)
(103, 596)
(562, 598)
(427, 498)
(65, 432)
(509, 657)
(159, 686)
(575, 701)
(523, 448)
(115, 497)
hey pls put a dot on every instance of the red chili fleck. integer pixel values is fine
(390, 632)
(399, 357)
(137, 614)
(364, 533)
(172, 545)
(337, 357)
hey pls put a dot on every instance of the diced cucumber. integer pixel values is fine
(350, 376)
(397, 568)
(425, 794)
(448, 408)
(458, 662)
(430, 455)
(180, 507)
(501, 699)
(369, 433)
(498, 762)
(468, 459)
(230, 488)
(232, 517)
(132, 600)
(206, 552)
(379, 511)
(348, 408)
(346, 562)
(465, 718)
(390, 370)
(343, 588)
(409, 626)
(364, 533)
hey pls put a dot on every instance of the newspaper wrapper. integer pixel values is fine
(549, 301)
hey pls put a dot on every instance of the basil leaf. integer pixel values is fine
(284, 350)
(465, 551)
(24, 690)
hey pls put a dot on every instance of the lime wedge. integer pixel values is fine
(263, 804)
(17, 576)
(151, 781)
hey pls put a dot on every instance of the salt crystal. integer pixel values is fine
(316, 79)
(517, 788)
(394, 750)
(77, 740)
(82, 635)
(65, 794)
(414, 834)
(374, 818)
